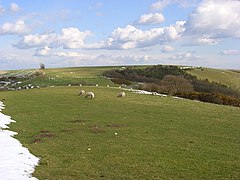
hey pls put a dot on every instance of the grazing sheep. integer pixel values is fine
(121, 94)
(154, 93)
(89, 94)
(82, 92)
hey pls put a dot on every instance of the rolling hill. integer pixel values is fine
(135, 137)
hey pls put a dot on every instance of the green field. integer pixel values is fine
(69, 76)
(157, 137)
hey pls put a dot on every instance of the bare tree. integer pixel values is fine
(174, 84)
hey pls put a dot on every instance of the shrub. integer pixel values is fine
(121, 81)
(216, 98)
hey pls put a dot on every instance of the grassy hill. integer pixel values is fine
(226, 77)
(157, 137)
(63, 77)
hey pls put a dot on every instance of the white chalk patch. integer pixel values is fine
(16, 162)
(147, 92)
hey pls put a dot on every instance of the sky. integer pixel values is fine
(70, 33)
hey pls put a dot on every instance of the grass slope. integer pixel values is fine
(66, 76)
(226, 77)
(158, 137)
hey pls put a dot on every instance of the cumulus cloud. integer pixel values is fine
(230, 52)
(131, 37)
(128, 37)
(19, 27)
(167, 49)
(73, 38)
(152, 18)
(14, 7)
(69, 38)
(215, 19)
(32, 41)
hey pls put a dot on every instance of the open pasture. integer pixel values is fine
(135, 137)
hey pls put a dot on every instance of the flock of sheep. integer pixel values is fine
(90, 95)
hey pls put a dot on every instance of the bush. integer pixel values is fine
(216, 98)
(121, 81)
(174, 84)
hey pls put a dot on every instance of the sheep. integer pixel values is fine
(82, 92)
(154, 93)
(121, 94)
(89, 94)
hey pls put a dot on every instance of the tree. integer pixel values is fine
(175, 84)
(42, 66)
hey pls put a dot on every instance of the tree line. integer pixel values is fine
(172, 80)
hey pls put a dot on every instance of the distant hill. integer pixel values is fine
(184, 80)
(178, 81)
(229, 78)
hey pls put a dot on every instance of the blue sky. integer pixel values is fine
(63, 33)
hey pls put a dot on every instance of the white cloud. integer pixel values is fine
(73, 38)
(167, 49)
(129, 37)
(186, 56)
(14, 7)
(42, 51)
(69, 38)
(160, 5)
(152, 18)
(32, 41)
(199, 40)
(215, 19)
(230, 52)
(19, 27)
(206, 41)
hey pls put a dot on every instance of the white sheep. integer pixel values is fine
(89, 94)
(82, 92)
(121, 94)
